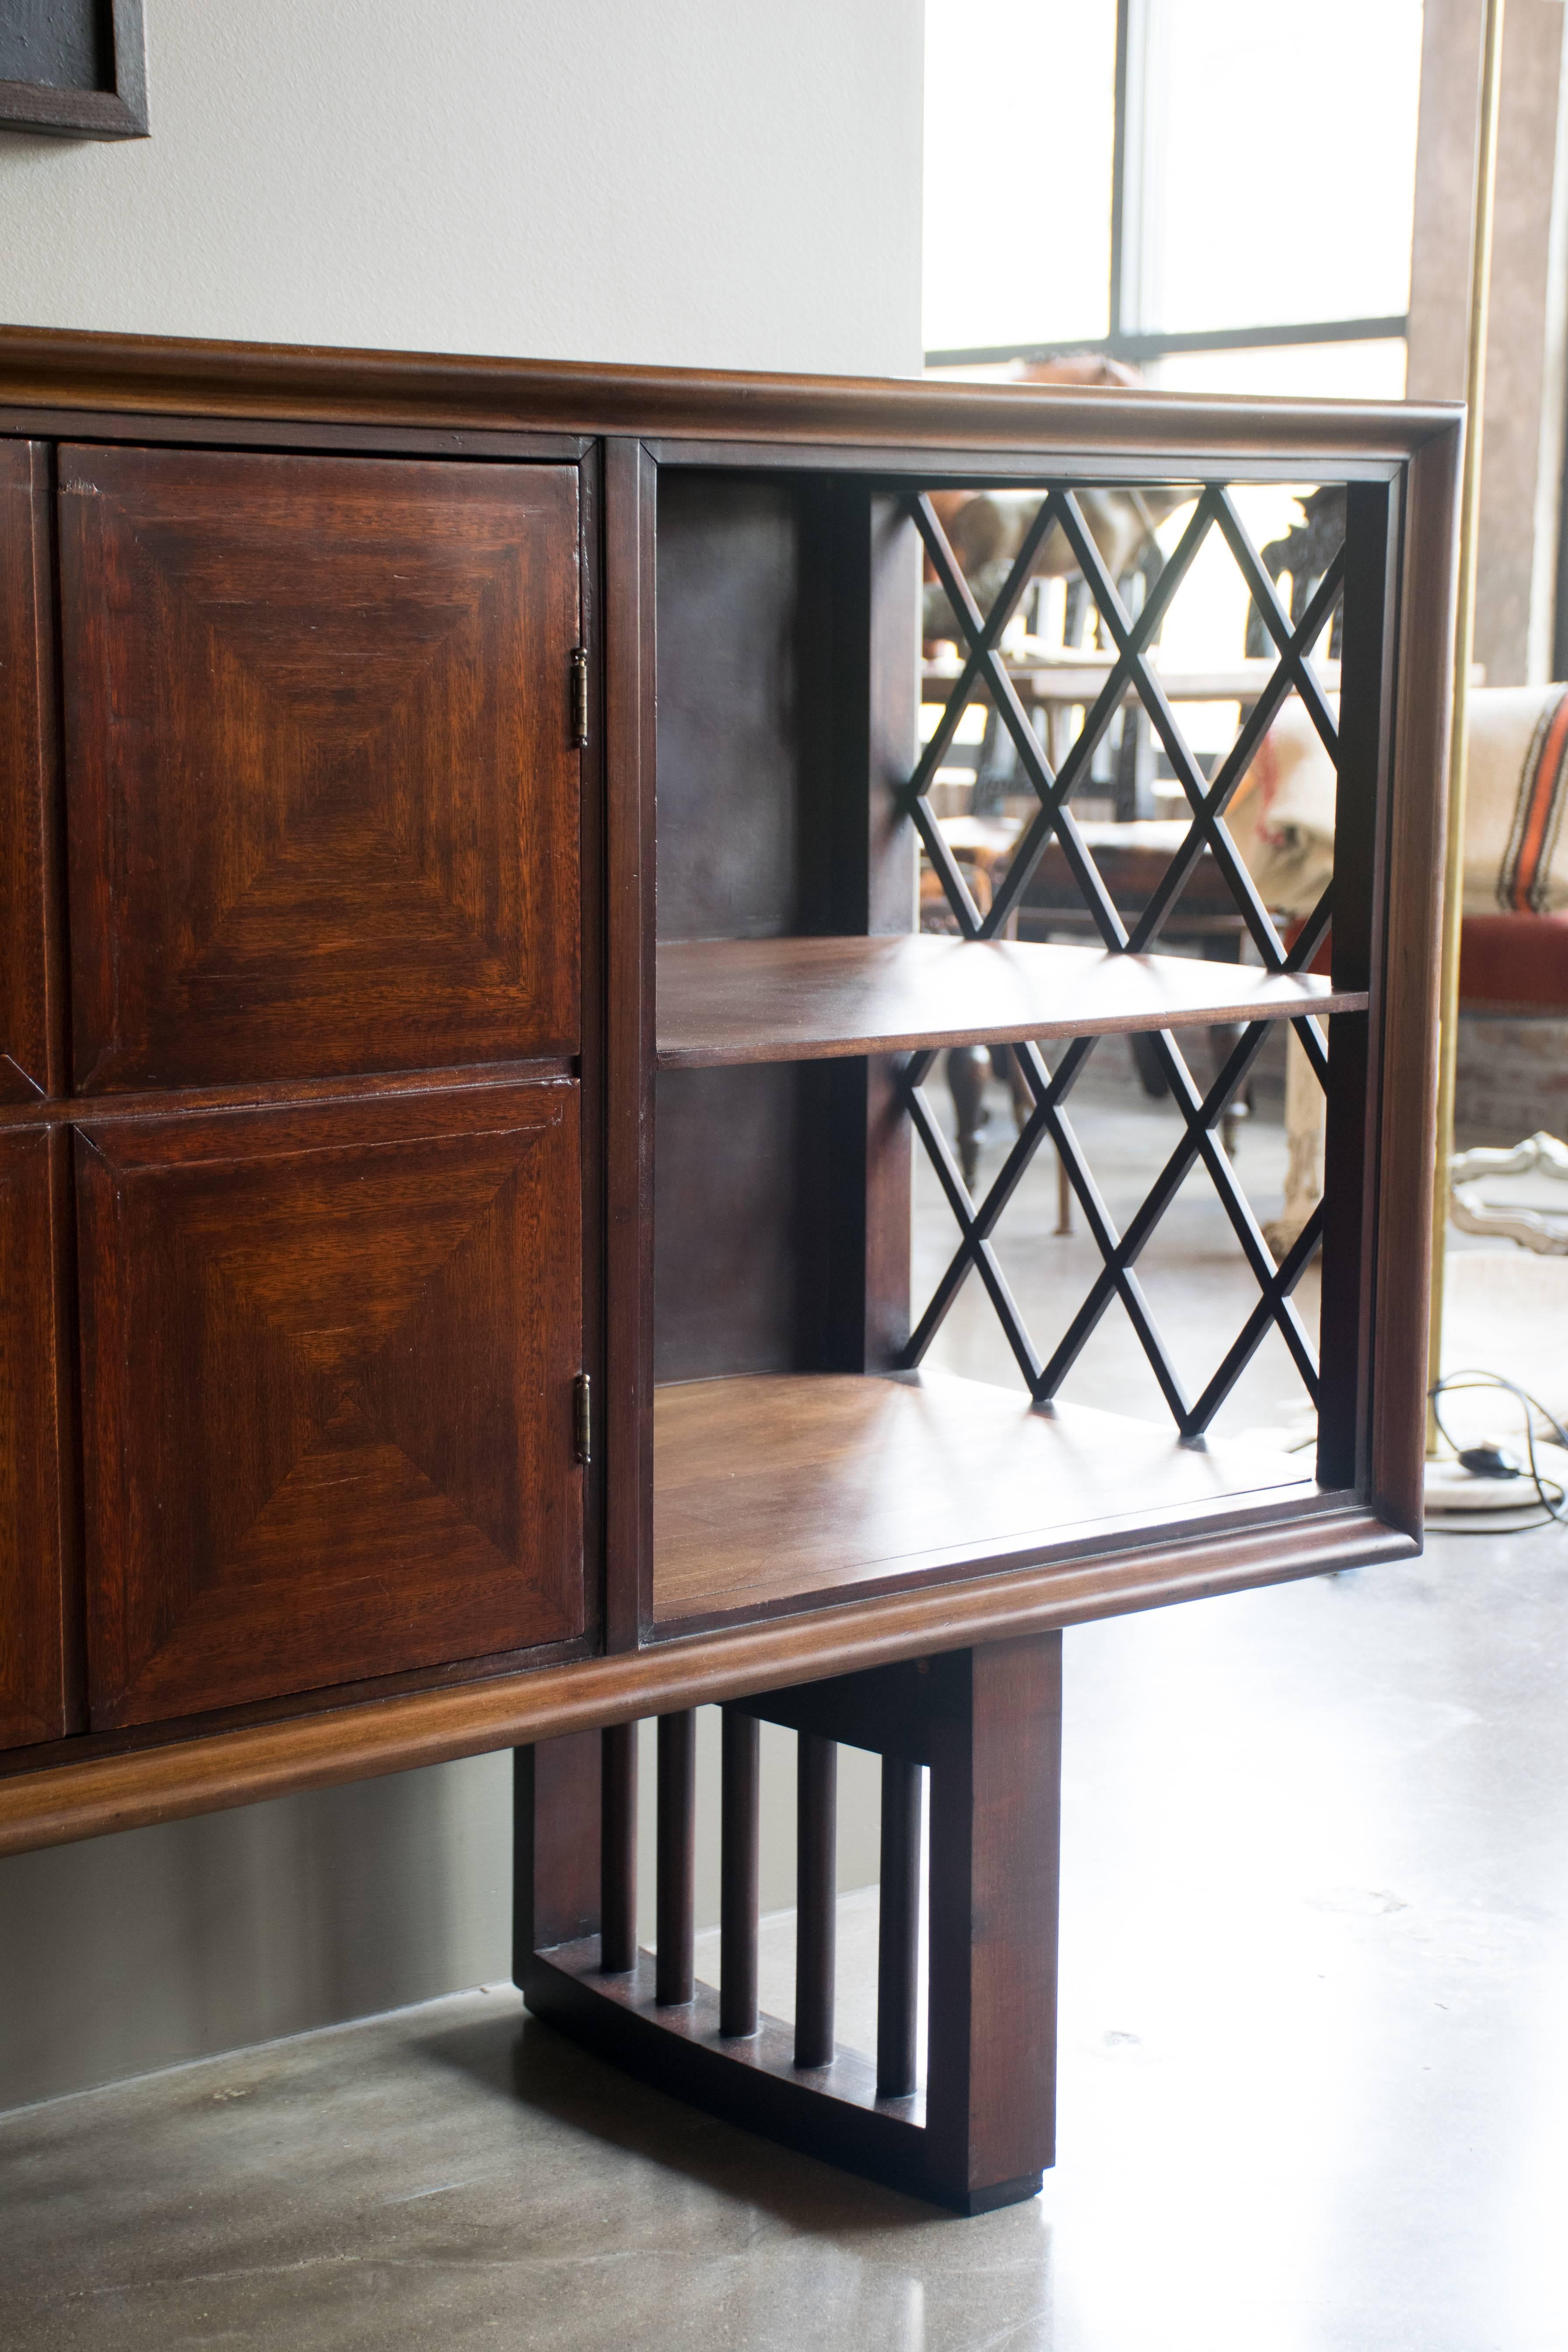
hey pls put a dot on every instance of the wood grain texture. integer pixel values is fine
(628, 1166)
(619, 1845)
(1412, 889)
(990, 1723)
(744, 412)
(776, 1489)
(898, 1927)
(740, 1866)
(1357, 941)
(996, 1813)
(723, 1002)
(35, 1550)
(300, 436)
(556, 1814)
(157, 1102)
(676, 1855)
(816, 1897)
(327, 1359)
(832, 2112)
(323, 791)
(592, 975)
(27, 775)
(874, 609)
(201, 1774)
(818, 436)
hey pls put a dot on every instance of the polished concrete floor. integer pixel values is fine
(1314, 2046)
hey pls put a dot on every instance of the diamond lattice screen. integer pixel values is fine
(1061, 537)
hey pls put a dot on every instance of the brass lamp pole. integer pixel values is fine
(1469, 514)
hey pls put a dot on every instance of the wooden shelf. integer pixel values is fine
(728, 1000)
(773, 1491)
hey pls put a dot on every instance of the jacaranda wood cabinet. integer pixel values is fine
(467, 1028)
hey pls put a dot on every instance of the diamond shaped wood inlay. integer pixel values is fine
(328, 1368)
(322, 784)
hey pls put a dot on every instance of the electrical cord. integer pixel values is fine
(1489, 1461)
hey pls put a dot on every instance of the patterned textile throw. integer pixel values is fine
(1281, 817)
(1516, 806)
(1516, 844)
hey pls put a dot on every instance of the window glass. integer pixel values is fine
(1278, 162)
(1369, 371)
(1019, 136)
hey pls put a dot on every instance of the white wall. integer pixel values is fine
(165, 1944)
(691, 183)
(702, 182)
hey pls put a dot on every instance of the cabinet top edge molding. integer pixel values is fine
(53, 368)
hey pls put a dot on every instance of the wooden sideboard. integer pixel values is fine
(461, 1052)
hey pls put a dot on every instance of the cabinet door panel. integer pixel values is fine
(32, 1502)
(327, 1359)
(25, 727)
(321, 776)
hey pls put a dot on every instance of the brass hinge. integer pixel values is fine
(582, 1417)
(580, 695)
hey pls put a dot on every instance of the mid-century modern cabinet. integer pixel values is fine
(464, 1040)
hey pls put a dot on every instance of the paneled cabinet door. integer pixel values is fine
(328, 1368)
(26, 729)
(321, 765)
(33, 1503)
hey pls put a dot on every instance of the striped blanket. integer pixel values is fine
(1516, 807)
(1516, 844)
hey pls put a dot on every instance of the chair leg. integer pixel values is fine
(968, 1067)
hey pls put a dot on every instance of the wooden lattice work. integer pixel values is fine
(1131, 680)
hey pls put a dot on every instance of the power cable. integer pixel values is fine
(1492, 1462)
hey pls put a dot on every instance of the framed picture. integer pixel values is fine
(73, 68)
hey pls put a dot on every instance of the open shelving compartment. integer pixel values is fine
(805, 1453)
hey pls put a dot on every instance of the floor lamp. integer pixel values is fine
(1465, 630)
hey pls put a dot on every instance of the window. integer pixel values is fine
(1219, 192)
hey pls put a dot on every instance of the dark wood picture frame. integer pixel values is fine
(114, 109)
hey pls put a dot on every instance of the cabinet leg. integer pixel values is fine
(995, 1853)
(556, 1826)
(987, 1722)
(968, 1067)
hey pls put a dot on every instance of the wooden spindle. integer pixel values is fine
(816, 1917)
(898, 1927)
(738, 1864)
(618, 1849)
(675, 1976)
